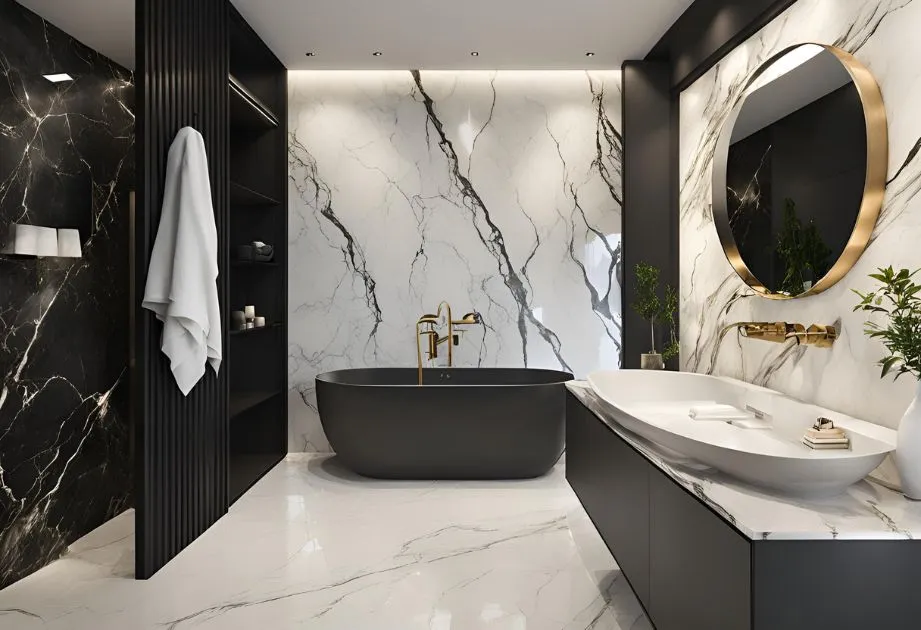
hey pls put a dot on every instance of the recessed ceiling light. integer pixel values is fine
(58, 78)
(589, 54)
(311, 54)
(474, 54)
(377, 53)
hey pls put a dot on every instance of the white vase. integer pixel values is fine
(908, 450)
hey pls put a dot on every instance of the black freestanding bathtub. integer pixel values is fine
(484, 423)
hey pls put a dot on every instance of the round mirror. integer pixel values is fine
(800, 171)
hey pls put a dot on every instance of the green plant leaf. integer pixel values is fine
(898, 299)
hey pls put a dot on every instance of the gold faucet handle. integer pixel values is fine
(780, 332)
(432, 342)
(470, 319)
(820, 336)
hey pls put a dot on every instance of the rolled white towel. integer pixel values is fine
(716, 411)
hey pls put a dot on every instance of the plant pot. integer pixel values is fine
(653, 362)
(908, 449)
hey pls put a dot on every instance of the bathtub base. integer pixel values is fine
(462, 424)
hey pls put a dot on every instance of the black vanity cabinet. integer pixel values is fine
(699, 567)
(689, 570)
(612, 482)
(692, 570)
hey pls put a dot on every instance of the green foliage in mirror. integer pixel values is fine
(804, 254)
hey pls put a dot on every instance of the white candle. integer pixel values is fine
(24, 240)
(69, 245)
(250, 312)
(47, 242)
(260, 322)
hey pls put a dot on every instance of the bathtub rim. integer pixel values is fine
(563, 377)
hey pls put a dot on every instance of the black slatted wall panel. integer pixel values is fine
(181, 444)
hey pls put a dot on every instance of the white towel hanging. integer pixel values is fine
(182, 278)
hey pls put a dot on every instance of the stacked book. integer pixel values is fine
(827, 439)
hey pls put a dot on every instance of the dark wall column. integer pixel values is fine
(650, 225)
(651, 89)
(181, 444)
(707, 31)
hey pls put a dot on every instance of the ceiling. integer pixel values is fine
(430, 34)
(441, 34)
(106, 25)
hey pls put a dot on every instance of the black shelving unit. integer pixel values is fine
(247, 111)
(257, 409)
(242, 402)
(252, 264)
(256, 331)
(242, 196)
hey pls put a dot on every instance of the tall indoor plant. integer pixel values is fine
(898, 300)
(656, 310)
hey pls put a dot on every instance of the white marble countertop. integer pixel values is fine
(866, 511)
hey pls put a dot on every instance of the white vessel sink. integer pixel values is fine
(655, 406)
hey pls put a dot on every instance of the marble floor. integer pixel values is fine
(314, 546)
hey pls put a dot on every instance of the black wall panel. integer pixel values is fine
(650, 225)
(181, 444)
(66, 161)
(707, 31)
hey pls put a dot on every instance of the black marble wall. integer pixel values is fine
(66, 160)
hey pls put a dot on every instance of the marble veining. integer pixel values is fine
(66, 161)
(868, 510)
(882, 34)
(497, 191)
(327, 549)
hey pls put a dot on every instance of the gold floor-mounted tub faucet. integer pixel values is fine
(429, 322)
(780, 332)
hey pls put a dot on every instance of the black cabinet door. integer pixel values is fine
(861, 584)
(700, 567)
(612, 482)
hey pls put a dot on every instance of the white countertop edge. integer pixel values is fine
(867, 511)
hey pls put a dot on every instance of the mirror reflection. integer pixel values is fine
(796, 170)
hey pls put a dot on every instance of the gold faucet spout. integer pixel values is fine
(434, 340)
(775, 332)
(781, 332)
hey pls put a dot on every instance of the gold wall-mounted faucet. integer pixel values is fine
(780, 332)
(425, 327)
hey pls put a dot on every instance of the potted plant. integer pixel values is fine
(656, 310)
(898, 300)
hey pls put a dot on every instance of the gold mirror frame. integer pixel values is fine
(874, 112)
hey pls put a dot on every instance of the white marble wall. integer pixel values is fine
(884, 35)
(499, 192)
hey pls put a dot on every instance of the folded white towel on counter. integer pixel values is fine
(751, 423)
(716, 411)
